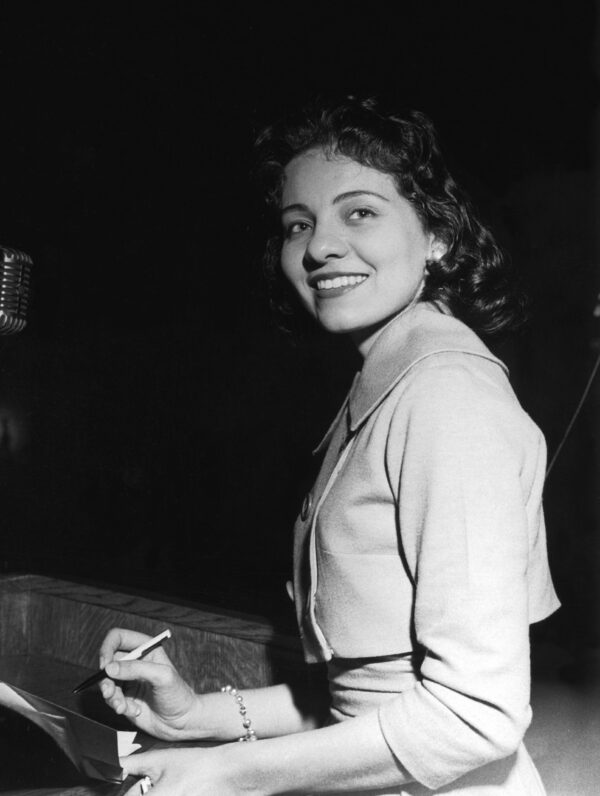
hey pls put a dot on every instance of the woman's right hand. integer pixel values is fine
(150, 692)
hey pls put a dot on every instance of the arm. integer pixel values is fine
(465, 456)
(164, 705)
(331, 759)
(346, 757)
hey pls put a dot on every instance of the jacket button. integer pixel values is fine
(306, 506)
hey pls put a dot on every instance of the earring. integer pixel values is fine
(438, 250)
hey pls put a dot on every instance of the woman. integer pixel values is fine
(420, 555)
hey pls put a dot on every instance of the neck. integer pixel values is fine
(365, 338)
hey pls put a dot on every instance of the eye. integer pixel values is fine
(295, 228)
(360, 213)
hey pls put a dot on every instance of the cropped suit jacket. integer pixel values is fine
(424, 536)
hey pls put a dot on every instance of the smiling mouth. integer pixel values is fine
(339, 281)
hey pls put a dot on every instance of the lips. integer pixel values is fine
(331, 285)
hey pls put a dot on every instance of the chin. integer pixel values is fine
(352, 322)
(338, 325)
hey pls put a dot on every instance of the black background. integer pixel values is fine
(156, 426)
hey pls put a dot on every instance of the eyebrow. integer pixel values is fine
(339, 198)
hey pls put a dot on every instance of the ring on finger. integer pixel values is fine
(145, 784)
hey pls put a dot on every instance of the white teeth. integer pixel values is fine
(340, 281)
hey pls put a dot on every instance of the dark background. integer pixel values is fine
(155, 426)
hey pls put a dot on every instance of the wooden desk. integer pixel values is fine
(67, 621)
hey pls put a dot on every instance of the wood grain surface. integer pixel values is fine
(41, 616)
(68, 621)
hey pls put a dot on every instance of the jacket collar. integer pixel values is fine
(420, 331)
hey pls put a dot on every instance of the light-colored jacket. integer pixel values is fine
(424, 535)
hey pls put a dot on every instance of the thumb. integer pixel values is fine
(155, 674)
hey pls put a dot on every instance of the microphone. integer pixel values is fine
(15, 274)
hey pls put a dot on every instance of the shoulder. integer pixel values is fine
(463, 400)
(423, 341)
(458, 380)
(448, 378)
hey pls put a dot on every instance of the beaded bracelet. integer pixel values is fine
(250, 733)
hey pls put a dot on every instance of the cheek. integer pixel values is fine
(405, 255)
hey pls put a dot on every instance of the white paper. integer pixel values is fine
(93, 752)
(125, 743)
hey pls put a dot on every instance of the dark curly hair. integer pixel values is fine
(473, 279)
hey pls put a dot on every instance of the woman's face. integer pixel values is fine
(353, 248)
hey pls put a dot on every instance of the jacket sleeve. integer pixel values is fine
(464, 453)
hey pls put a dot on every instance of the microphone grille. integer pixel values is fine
(15, 278)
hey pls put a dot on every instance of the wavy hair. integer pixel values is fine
(473, 279)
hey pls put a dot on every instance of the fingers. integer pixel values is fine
(158, 675)
(142, 785)
(130, 707)
(152, 764)
(143, 764)
(113, 695)
(120, 639)
(109, 689)
(137, 765)
(123, 705)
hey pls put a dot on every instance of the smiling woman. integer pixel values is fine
(465, 271)
(420, 552)
(350, 236)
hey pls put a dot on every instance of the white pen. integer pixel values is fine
(134, 655)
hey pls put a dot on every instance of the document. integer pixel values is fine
(86, 731)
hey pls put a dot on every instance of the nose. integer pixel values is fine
(324, 245)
